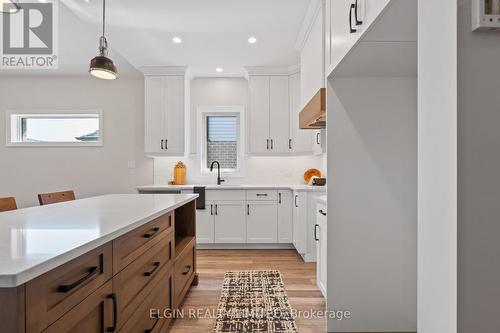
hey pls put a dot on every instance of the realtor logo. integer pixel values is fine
(29, 37)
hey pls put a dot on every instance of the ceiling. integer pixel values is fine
(214, 33)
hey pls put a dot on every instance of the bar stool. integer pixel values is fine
(50, 198)
(8, 203)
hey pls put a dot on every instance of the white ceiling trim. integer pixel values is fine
(163, 70)
(315, 8)
(273, 70)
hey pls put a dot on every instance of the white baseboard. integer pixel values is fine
(244, 246)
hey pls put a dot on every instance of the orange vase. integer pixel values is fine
(180, 173)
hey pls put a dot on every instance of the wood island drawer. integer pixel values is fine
(137, 280)
(132, 245)
(184, 270)
(262, 195)
(50, 296)
(144, 318)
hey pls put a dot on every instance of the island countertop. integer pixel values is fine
(36, 240)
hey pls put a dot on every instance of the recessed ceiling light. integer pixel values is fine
(219, 70)
(252, 40)
(177, 40)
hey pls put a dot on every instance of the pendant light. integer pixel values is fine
(9, 6)
(101, 66)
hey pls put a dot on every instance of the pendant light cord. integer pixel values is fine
(103, 16)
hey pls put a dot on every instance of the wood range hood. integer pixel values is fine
(313, 115)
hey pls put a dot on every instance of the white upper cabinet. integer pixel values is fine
(279, 114)
(345, 23)
(300, 140)
(164, 110)
(274, 114)
(259, 115)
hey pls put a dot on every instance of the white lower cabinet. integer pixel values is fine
(205, 224)
(262, 222)
(299, 221)
(230, 222)
(320, 234)
(285, 217)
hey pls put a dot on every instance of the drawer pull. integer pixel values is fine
(151, 272)
(154, 325)
(322, 212)
(65, 288)
(151, 233)
(188, 268)
(261, 194)
(316, 232)
(115, 313)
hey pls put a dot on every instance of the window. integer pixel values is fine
(58, 128)
(222, 141)
(222, 137)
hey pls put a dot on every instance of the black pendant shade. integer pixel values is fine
(101, 66)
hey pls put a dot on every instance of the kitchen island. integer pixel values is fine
(98, 264)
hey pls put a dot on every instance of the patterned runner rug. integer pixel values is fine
(254, 301)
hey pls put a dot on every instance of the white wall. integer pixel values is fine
(437, 166)
(25, 172)
(478, 176)
(258, 170)
(372, 210)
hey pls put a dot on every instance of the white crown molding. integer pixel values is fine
(315, 8)
(163, 70)
(273, 70)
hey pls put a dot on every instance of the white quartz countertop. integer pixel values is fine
(166, 188)
(36, 240)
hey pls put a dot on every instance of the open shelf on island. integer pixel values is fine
(185, 228)
(181, 243)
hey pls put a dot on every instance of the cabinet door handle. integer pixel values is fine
(318, 138)
(151, 233)
(216, 210)
(188, 268)
(279, 198)
(115, 313)
(272, 144)
(296, 197)
(289, 143)
(66, 288)
(322, 212)
(248, 209)
(151, 272)
(356, 5)
(162, 144)
(267, 144)
(166, 144)
(211, 209)
(353, 7)
(316, 232)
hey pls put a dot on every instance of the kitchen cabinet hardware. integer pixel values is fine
(316, 232)
(356, 17)
(267, 144)
(272, 146)
(188, 268)
(162, 144)
(318, 138)
(151, 233)
(351, 9)
(248, 209)
(261, 194)
(211, 209)
(151, 272)
(289, 143)
(65, 288)
(279, 198)
(322, 212)
(216, 210)
(115, 313)
(166, 144)
(295, 200)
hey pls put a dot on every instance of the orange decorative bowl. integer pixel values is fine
(311, 173)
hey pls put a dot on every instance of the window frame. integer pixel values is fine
(235, 110)
(55, 114)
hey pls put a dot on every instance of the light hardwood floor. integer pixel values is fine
(299, 279)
